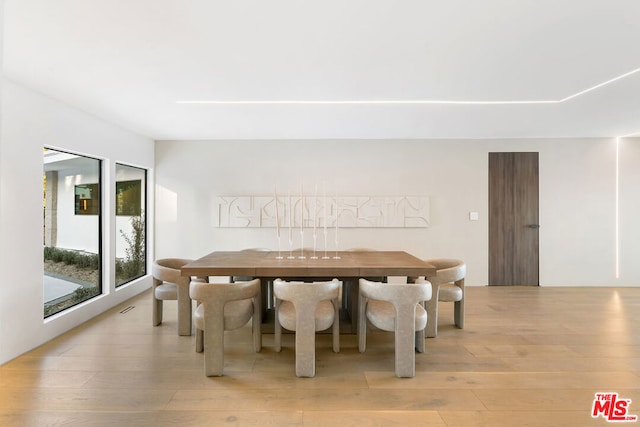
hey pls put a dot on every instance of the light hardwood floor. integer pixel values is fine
(527, 357)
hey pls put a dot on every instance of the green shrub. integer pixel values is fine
(58, 256)
(48, 252)
(53, 254)
(81, 294)
(87, 261)
(134, 263)
(82, 261)
(119, 267)
(91, 261)
(69, 257)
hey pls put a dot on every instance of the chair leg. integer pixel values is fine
(157, 311)
(405, 355)
(156, 303)
(199, 340)
(432, 311)
(420, 337)
(306, 348)
(458, 313)
(214, 347)
(184, 310)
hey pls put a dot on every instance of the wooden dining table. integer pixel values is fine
(347, 266)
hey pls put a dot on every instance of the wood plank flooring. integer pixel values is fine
(528, 356)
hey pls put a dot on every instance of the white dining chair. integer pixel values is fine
(224, 307)
(306, 307)
(169, 284)
(448, 286)
(398, 308)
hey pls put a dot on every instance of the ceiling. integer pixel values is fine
(300, 69)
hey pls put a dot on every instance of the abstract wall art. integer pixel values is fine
(349, 211)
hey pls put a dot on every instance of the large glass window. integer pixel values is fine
(72, 229)
(130, 204)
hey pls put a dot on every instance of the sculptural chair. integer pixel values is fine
(448, 286)
(306, 308)
(224, 307)
(395, 307)
(168, 284)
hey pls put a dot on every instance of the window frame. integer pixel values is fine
(144, 214)
(100, 219)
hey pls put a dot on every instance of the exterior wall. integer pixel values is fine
(83, 236)
(29, 122)
(577, 198)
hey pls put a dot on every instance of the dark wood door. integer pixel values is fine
(513, 219)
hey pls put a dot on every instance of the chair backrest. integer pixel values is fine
(306, 293)
(220, 293)
(448, 269)
(168, 269)
(410, 293)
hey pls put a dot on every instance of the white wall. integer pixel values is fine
(577, 198)
(630, 211)
(77, 232)
(3, 324)
(29, 122)
(578, 214)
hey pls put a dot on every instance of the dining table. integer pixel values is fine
(301, 265)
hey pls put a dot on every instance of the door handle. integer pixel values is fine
(533, 225)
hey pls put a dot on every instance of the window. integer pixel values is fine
(128, 197)
(87, 199)
(130, 204)
(72, 229)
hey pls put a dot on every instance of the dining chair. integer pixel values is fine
(306, 307)
(168, 284)
(448, 286)
(398, 308)
(224, 307)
